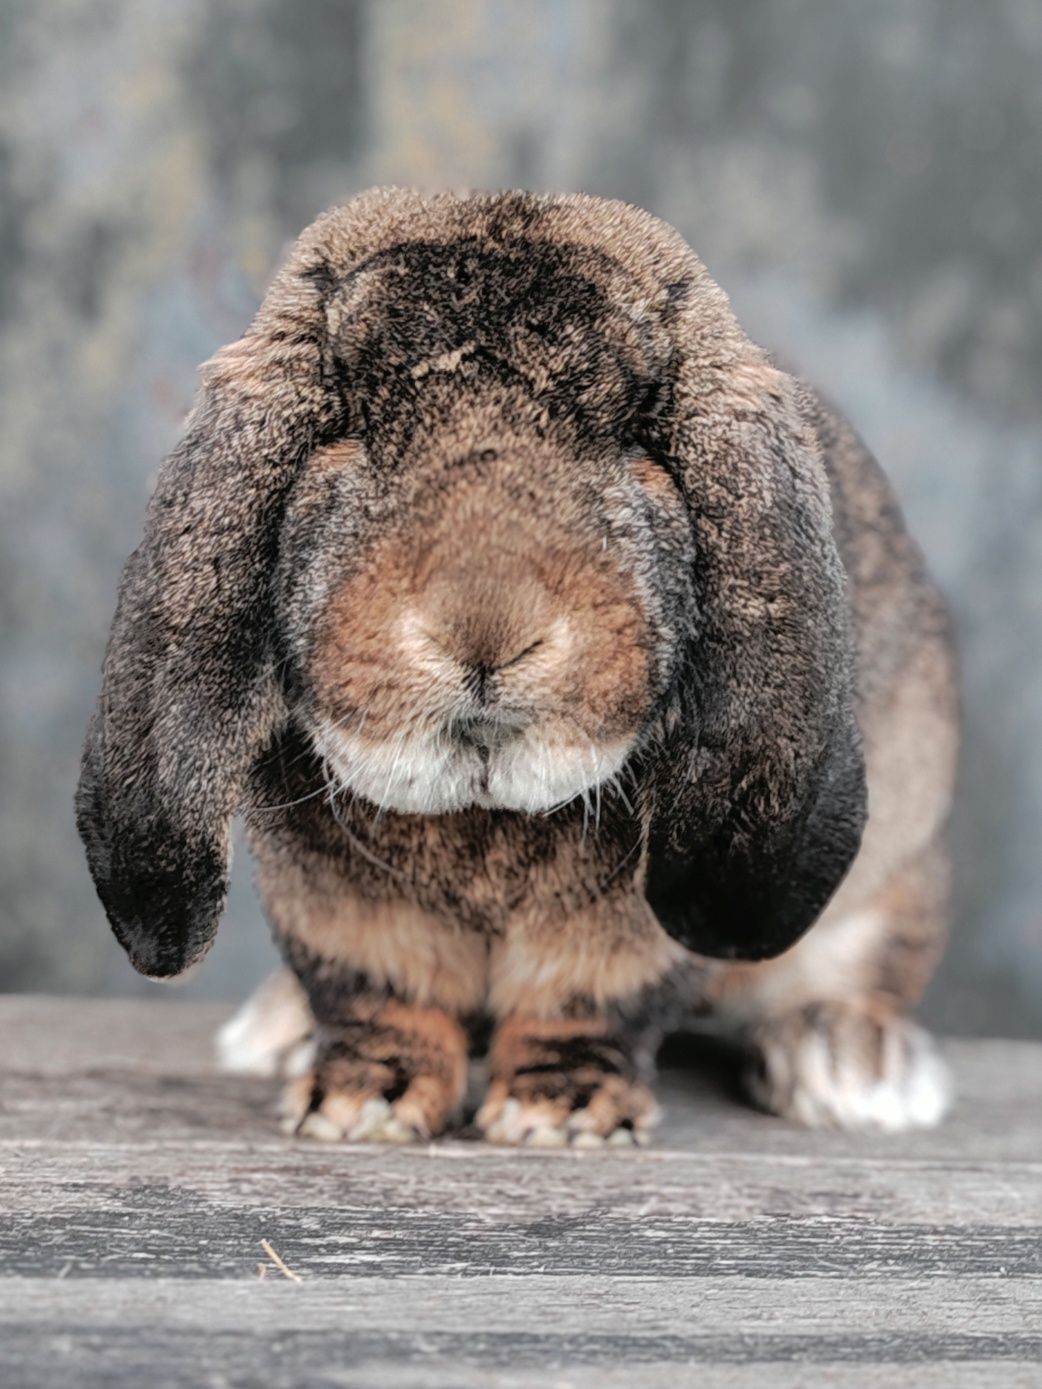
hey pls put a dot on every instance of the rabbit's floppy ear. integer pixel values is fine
(189, 696)
(760, 800)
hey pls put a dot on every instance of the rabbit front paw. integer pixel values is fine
(559, 1086)
(393, 1076)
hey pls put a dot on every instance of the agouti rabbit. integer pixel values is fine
(547, 636)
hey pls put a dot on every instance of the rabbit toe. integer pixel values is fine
(833, 1066)
(615, 1113)
(313, 1109)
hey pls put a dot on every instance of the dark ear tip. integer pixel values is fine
(156, 958)
(163, 898)
(721, 938)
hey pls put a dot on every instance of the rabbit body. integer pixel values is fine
(547, 637)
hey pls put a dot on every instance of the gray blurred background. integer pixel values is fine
(864, 179)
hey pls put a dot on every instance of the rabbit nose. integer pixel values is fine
(487, 734)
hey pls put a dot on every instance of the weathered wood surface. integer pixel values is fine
(136, 1186)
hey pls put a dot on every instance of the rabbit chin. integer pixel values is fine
(429, 776)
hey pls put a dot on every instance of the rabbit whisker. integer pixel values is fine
(288, 805)
(357, 844)
(638, 841)
(616, 785)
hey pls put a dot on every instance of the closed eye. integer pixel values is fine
(515, 660)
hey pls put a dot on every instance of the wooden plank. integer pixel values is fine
(650, 1307)
(138, 1064)
(136, 1186)
(160, 1233)
(294, 1357)
(482, 1183)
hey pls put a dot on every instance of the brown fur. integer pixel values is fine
(546, 633)
(411, 1061)
(563, 1077)
(457, 591)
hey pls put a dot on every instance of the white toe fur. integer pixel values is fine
(824, 1079)
(517, 1124)
(271, 1033)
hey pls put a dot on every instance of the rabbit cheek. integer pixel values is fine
(381, 696)
(384, 693)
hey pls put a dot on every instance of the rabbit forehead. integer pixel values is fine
(631, 241)
(537, 315)
(485, 282)
(401, 255)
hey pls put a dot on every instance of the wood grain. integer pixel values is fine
(137, 1186)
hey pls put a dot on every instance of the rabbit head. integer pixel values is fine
(493, 498)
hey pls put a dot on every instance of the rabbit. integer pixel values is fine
(574, 674)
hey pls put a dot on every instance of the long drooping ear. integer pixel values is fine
(760, 797)
(190, 695)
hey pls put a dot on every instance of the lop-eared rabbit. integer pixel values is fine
(574, 673)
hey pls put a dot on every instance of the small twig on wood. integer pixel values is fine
(279, 1263)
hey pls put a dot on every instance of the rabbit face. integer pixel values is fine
(504, 638)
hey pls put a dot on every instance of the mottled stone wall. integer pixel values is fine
(864, 179)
